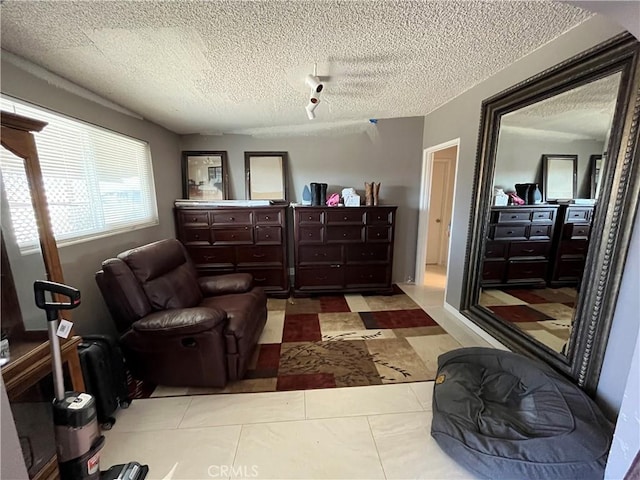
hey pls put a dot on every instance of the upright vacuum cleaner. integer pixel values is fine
(78, 438)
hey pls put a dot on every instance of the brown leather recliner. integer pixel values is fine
(177, 328)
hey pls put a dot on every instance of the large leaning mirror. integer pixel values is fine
(266, 176)
(542, 273)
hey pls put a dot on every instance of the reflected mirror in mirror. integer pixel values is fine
(266, 175)
(204, 175)
(535, 253)
(22, 261)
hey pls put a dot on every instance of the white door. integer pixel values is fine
(437, 201)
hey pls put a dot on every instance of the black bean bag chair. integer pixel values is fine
(503, 415)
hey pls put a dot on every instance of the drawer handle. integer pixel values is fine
(509, 232)
(528, 271)
(576, 214)
(258, 255)
(345, 218)
(232, 219)
(267, 236)
(310, 217)
(267, 217)
(195, 219)
(311, 234)
(208, 257)
(344, 234)
(260, 279)
(377, 235)
(514, 216)
(379, 217)
(528, 250)
(321, 278)
(320, 254)
(233, 236)
(196, 237)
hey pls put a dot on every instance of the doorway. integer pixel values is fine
(436, 214)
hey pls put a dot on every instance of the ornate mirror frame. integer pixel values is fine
(614, 217)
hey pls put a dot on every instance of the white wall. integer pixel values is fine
(81, 261)
(389, 152)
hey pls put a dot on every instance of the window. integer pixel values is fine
(98, 182)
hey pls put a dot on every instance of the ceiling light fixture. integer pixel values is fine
(316, 86)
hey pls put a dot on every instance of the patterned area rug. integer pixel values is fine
(337, 341)
(544, 313)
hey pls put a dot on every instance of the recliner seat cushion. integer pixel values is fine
(503, 415)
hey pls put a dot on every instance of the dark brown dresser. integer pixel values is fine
(571, 244)
(343, 249)
(519, 245)
(238, 239)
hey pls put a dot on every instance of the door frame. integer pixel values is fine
(425, 198)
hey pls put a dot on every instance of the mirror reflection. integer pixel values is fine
(548, 161)
(266, 175)
(204, 175)
(22, 261)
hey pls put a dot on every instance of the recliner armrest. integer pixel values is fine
(228, 283)
(181, 321)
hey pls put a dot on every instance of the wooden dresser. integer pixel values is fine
(519, 245)
(571, 244)
(238, 239)
(343, 249)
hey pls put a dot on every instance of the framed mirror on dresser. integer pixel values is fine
(542, 277)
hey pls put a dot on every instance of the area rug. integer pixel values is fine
(336, 341)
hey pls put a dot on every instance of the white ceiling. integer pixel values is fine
(239, 67)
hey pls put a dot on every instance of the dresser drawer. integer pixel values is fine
(196, 236)
(193, 218)
(513, 216)
(379, 234)
(230, 217)
(577, 214)
(320, 254)
(267, 278)
(543, 216)
(574, 247)
(268, 235)
(367, 253)
(510, 232)
(540, 232)
(519, 271)
(345, 215)
(232, 235)
(496, 249)
(212, 256)
(365, 276)
(319, 278)
(576, 231)
(310, 216)
(345, 233)
(268, 217)
(570, 269)
(529, 249)
(259, 255)
(493, 271)
(311, 234)
(379, 216)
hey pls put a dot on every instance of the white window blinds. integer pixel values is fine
(97, 182)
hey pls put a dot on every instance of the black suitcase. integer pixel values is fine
(104, 376)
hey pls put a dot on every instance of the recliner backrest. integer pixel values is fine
(166, 274)
(157, 276)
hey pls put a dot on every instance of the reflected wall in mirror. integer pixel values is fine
(266, 175)
(543, 278)
(204, 175)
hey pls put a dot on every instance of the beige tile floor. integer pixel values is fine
(379, 431)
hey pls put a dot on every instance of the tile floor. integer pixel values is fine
(370, 432)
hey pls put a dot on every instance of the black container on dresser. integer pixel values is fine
(238, 239)
(571, 244)
(518, 250)
(343, 249)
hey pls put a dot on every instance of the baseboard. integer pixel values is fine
(473, 327)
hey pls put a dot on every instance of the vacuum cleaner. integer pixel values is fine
(78, 438)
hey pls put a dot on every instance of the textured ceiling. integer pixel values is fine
(239, 67)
